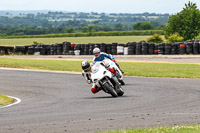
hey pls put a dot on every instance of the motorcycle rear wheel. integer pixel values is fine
(122, 82)
(118, 77)
(121, 92)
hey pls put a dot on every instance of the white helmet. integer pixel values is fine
(96, 50)
(85, 66)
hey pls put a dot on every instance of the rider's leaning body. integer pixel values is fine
(100, 56)
(88, 68)
(86, 73)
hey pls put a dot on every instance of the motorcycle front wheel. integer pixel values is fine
(110, 89)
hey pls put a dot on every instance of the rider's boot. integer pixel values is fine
(95, 90)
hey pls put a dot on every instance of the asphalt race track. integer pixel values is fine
(62, 102)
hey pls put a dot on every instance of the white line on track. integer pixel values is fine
(65, 72)
(17, 100)
(33, 70)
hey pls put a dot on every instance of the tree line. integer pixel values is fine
(184, 24)
(59, 22)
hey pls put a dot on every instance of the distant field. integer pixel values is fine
(79, 40)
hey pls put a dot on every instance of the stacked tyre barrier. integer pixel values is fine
(138, 48)
(151, 47)
(196, 48)
(130, 48)
(114, 48)
(120, 49)
(155, 48)
(174, 49)
(5, 50)
(66, 47)
(182, 48)
(108, 48)
(161, 48)
(126, 50)
(144, 48)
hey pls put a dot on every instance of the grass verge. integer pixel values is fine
(131, 68)
(78, 40)
(147, 69)
(175, 129)
(4, 100)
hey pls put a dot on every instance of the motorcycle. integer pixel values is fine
(114, 69)
(106, 80)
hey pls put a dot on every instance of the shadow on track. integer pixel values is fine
(105, 97)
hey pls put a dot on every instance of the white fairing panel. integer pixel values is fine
(99, 72)
(111, 64)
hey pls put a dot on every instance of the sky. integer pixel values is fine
(100, 6)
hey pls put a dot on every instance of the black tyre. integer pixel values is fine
(110, 89)
(121, 92)
(122, 82)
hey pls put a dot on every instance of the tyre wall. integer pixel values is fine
(130, 48)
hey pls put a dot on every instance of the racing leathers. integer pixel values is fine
(102, 56)
(87, 76)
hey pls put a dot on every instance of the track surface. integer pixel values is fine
(61, 102)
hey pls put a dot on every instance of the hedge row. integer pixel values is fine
(131, 48)
(110, 33)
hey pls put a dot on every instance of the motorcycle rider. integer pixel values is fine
(100, 56)
(86, 73)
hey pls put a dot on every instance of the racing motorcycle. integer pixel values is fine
(114, 69)
(106, 80)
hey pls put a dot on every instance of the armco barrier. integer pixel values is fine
(130, 48)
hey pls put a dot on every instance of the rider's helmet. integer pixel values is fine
(96, 52)
(85, 66)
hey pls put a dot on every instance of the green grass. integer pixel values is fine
(161, 69)
(197, 37)
(175, 129)
(130, 68)
(4, 100)
(53, 65)
(78, 40)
